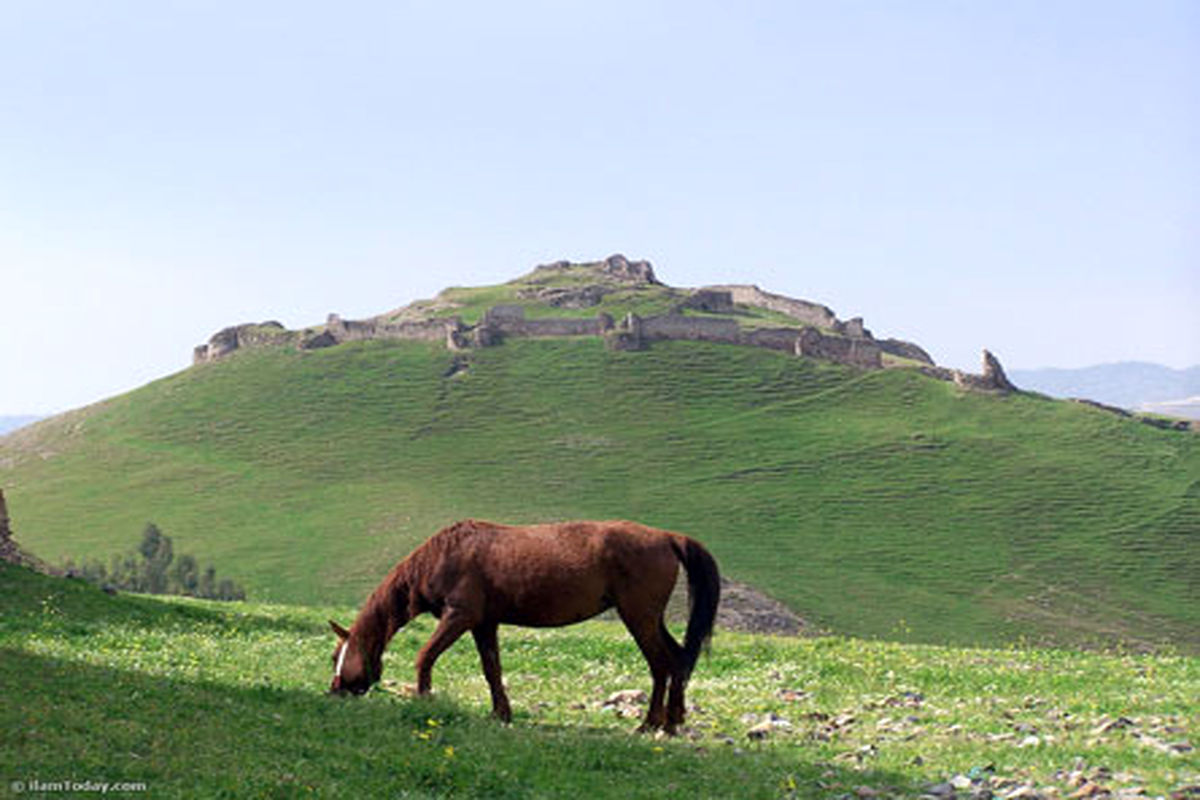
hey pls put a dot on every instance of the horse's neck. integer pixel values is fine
(386, 611)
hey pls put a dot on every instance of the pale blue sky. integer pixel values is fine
(1020, 176)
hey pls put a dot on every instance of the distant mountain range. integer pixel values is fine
(11, 423)
(1132, 384)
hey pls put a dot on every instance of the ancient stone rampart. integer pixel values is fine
(819, 333)
(782, 339)
(801, 310)
(696, 329)
(844, 350)
(430, 330)
(511, 321)
(633, 333)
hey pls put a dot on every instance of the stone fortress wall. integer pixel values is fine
(818, 334)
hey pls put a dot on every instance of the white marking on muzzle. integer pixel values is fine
(337, 671)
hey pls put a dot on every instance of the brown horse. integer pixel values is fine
(475, 575)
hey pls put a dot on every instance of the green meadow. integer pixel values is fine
(188, 698)
(876, 504)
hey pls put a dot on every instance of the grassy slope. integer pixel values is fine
(205, 699)
(880, 503)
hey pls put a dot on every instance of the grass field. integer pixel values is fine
(881, 504)
(188, 698)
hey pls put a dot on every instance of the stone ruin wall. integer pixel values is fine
(802, 310)
(782, 339)
(633, 333)
(511, 321)
(850, 344)
(695, 329)
(430, 330)
(855, 352)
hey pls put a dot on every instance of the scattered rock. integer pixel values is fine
(625, 697)
(1106, 725)
(769, 725)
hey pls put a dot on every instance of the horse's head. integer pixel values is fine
(352, 670)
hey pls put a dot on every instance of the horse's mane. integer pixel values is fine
(393, 602)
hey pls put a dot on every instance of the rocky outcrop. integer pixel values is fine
(744, 608)
(567, 296)
(616, 267)
(5, 530)
(993, 374)
(993, 378)
(10, 551)
(621, 268)
(227, 340)
(902, 349)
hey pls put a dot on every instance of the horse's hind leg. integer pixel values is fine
(649, 632)
(488, 646)
(675, 699)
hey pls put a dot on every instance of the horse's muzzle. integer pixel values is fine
(339, 690)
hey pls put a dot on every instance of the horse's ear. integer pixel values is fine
(341, 632)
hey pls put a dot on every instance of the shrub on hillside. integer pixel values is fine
(153, 569)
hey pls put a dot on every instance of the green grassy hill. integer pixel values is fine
(875, 503)
(185, 698)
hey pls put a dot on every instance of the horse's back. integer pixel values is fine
(558, 573)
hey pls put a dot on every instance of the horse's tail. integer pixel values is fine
(704, 593)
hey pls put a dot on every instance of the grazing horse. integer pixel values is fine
(475, 575)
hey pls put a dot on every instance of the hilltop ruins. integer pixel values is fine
(709, 314)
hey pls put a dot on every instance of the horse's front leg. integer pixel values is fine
(488, 645)
(451, 626)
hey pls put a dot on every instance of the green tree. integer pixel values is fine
(185, 576)
(158, 551)
(208, 583)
